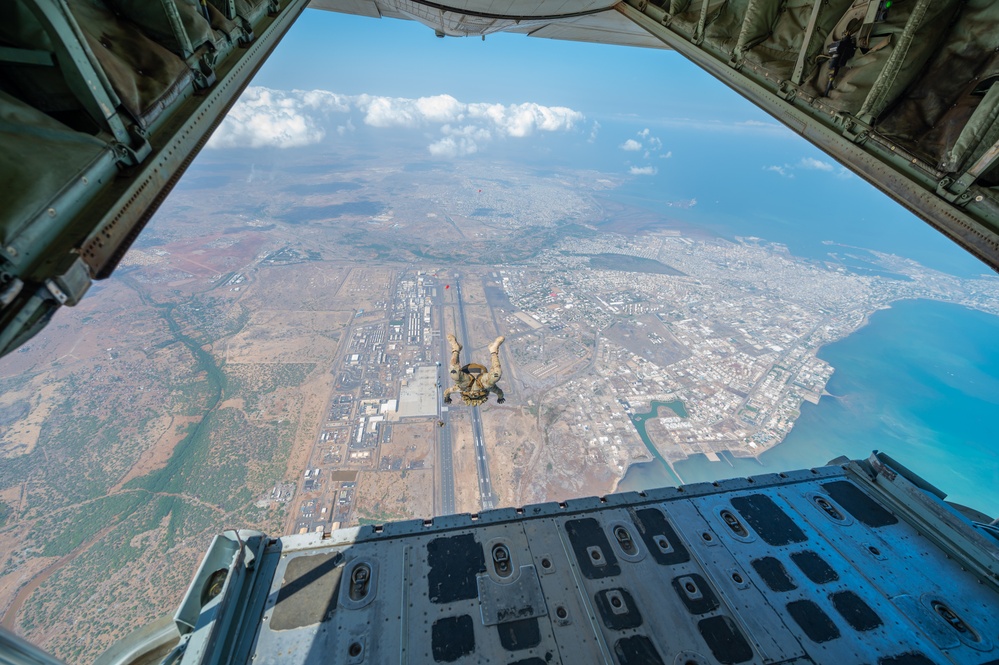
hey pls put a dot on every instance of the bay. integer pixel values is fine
(919, 382)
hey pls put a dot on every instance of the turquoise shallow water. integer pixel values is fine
(920, 382)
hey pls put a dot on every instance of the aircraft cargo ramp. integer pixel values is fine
(860, 562)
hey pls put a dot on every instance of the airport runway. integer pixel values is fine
(444, 442)
(486, 498)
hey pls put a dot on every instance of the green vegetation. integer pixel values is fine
(377, 516)
(188, 520)
(87, 520)
(578, 231)
(212, 317)
(11, 413)
(105, 415)
(251, 382)
(629, 263)
(189, 447)
(224, 460)
(168, 554)
(86, 443)
(95, 434)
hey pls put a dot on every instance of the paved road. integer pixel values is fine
(446, 466)
(487, 499)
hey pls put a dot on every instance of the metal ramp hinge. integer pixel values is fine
(787, 90)
(135, 152)
(956, 190)
(204, 72)
(854, 130)
(70, 287)
(247, 37)
(56, 291)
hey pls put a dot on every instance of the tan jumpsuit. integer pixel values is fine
(474, 381)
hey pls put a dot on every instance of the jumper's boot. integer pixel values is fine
(494, 347)
(455, 347)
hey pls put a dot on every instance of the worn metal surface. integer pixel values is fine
(818, 566)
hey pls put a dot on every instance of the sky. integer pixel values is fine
(676, 133)
(358, 55)
(355, 56)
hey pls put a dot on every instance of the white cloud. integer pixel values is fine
(402, 112)
(277, 119)
(520, 120)
(346, 127)
(594, 131)
(460, 141)
(807, 164)
(274, 118)
(647, 146)
(318, 99)
(779, 170)
(442, 108)
(453, 146)
(649, 143)
(813, 164)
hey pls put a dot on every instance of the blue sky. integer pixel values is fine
(696, 138)
(355, 55)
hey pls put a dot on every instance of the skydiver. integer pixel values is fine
(473, 381)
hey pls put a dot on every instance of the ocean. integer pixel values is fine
(755, 179)
(919, 382)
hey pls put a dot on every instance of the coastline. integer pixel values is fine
(934, 417)
(645, 468)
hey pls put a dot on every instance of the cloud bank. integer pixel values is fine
(273, 118)
(288, 119)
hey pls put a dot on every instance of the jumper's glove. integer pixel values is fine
(447, 400)
(500, 400)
